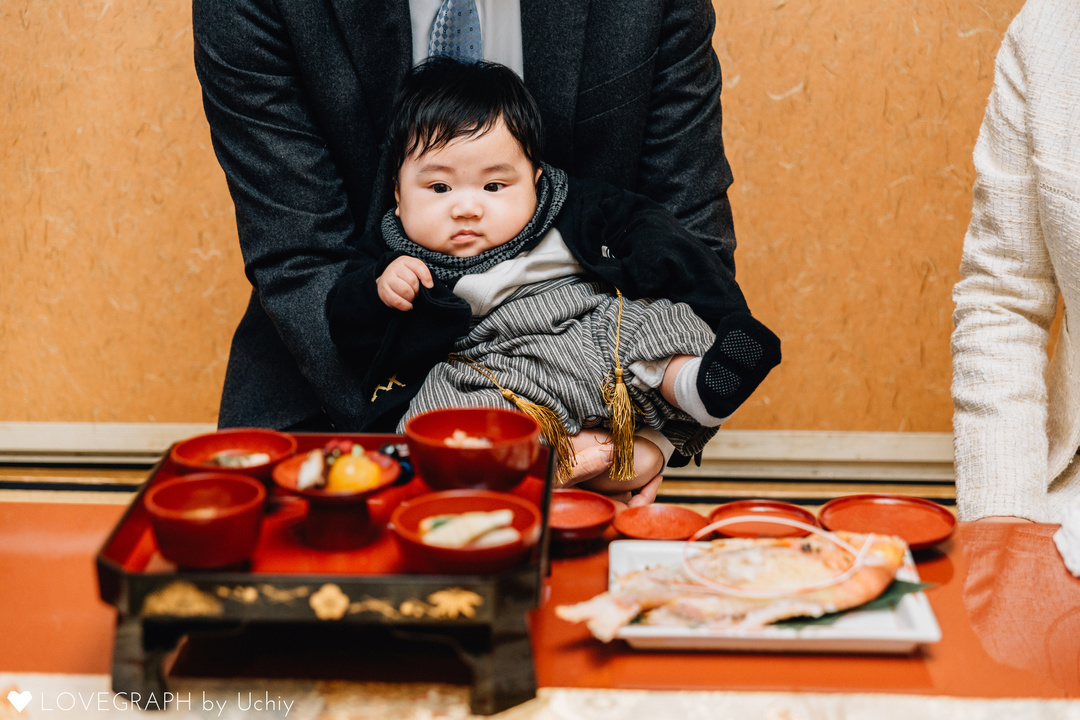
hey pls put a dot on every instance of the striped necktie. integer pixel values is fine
(456, 32)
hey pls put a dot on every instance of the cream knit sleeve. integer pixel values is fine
(1005, 302)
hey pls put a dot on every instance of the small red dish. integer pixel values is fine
(423, 558)
(579, 514)
(659, 522)
(764, 509)
(921, 523)
(336, 520)
(196, 454)
(206, 520)
(515, 446)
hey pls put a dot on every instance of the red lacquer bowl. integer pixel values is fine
(515, 439)
(196, 454)
(763, 509)
(422, 558)
(659, 522)
(579, 514)
(206, 520)
(336, 520)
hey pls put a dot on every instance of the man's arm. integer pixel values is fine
(638, 245)
(292, 210)
(683, 165)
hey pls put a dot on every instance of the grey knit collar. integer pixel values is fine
(550, 196)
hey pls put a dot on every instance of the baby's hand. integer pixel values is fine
(401, 280)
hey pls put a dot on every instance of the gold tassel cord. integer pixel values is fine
(620, 413)
(551, 427)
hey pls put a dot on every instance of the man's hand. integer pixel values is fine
(401, 281)
(589, 462)
(647, 494)
(593, 460)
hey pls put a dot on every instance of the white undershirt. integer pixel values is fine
(500, 27)
(550, 259)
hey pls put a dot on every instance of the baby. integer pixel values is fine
(497, 280)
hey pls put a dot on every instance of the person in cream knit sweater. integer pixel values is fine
(1017, 414)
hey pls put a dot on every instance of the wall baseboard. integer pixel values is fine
(826, 455)
(33, 443)
(892, 457)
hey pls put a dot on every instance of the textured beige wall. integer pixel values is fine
(849, 126)
(123, 277)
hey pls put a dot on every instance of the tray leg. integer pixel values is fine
(499, 658)
(503, 671)
(139, 652)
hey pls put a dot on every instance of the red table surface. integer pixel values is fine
(1008, 609)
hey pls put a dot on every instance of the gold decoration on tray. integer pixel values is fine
(375, 605)
(329, 602)
(182, 599)
(277, 595)
(241, 593)
(414, 609)
(454, 602)
(443, 605)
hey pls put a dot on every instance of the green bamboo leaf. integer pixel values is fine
(886, 600)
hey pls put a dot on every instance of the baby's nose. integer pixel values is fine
(468, 205)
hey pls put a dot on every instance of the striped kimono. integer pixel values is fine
(548, 334)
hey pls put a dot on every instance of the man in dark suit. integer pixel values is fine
(297, 94)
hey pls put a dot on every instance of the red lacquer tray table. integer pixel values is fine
(291, 584)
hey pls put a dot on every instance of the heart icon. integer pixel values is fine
(19, 700)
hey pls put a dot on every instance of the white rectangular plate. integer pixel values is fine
(895, 631)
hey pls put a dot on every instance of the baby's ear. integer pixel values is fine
(397, 199)
(536, 177)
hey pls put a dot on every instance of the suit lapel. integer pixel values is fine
(378, 36)
(553, 39)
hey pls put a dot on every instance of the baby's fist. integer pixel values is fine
(401, 281)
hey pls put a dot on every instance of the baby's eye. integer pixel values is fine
(494, 186)
(440, 187)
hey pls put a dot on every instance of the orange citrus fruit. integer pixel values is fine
(352, 473)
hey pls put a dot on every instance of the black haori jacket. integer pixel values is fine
(620, 237)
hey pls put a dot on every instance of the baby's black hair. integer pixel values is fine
(442, 99)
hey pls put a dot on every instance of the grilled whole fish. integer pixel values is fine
(777, 570)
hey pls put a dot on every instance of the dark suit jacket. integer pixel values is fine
(297, 94)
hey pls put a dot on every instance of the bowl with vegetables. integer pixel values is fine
(473, 447)
(337, 480)
(206, 520)
(465, 532)
(242, 451)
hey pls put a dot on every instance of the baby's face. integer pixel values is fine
(474, 194)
